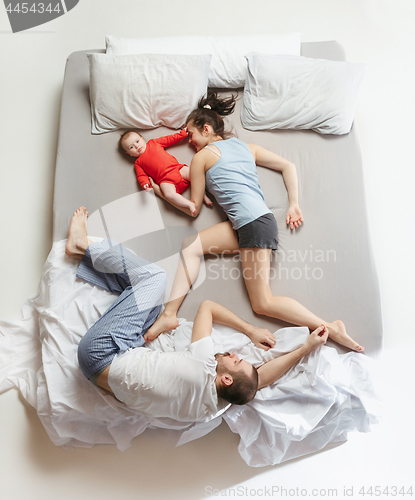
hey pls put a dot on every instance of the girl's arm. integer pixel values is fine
(268, 159)
(197, 179)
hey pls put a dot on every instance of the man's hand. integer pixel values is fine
(294, 217)
(262, 338)
(272, 370)
(317, 338)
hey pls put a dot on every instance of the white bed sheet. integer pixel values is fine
(318, 401)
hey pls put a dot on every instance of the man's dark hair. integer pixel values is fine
(243, 388)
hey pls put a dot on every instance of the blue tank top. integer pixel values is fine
(233, 181)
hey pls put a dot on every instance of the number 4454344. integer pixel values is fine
(34, 7)
(392, 491)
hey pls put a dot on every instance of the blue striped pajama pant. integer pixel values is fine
(140, 286)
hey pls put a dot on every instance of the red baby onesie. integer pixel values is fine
(160, 165)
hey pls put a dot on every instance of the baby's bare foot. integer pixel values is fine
(164, 323)
(77, 241)
(337, 332)
(207, 200)
(192, 208)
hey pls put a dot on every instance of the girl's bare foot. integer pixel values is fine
(164, 323)
(77, 241)
(337, 332)
(207, 200)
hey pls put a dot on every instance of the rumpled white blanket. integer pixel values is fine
(318, 401)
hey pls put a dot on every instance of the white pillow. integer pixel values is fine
(288, 92)
(145, 91)
(228, 67)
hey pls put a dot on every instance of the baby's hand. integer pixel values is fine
(147, 188)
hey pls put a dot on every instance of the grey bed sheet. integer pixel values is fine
(327, 265)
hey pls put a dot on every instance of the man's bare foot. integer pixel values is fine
(164, 323)
(77, 241)
(337, 332)
(207, 200)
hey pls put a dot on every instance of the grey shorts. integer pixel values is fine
(260, 233)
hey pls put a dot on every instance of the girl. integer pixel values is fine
(228, 167)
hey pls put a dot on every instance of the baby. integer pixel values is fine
(153, 161)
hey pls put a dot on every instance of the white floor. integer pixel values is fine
(378, 32)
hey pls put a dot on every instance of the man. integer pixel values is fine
(186, 385)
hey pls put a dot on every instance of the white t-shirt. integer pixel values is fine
(178, 385)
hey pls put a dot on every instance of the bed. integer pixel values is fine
(327, 265)
(333, 239)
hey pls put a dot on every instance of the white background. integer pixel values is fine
(378, 32)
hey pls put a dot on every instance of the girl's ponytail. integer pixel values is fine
(222, 106)
(210, 110)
